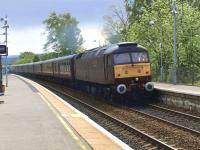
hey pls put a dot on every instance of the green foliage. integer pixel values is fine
(141, 12)
(194, 3)
(79, 50)
(49, 55)
(27, 57)
(63, 33)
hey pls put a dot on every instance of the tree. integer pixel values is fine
(116, 26)
(36, 58)
(135, 8)
(188, 32)
(49, 55)
(63, 34)
(27, 57)
(194, 3)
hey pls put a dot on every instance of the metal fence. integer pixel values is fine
(185, 75)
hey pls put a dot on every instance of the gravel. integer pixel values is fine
(173, 117)
(161, 131)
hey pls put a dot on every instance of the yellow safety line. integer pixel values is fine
(66, 126)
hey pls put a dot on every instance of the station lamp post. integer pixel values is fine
(174, 13)
(152, 22)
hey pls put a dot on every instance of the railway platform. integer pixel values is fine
(181, 96)
(183, 89)
(33, 118)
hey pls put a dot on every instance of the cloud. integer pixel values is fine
(92, 36)
(32, 39)
(27, 39)
(23, 13)
(26, 16)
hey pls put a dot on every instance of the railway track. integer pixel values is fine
(177, 119)
(183, 119)
(125, 132)
(130, 126)
(176, 112)
(170, 108)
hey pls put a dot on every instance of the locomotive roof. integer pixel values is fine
(124, 47)
(112, 49)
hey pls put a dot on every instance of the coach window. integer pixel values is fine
(63, 67)
(55, 67)
(66, 66)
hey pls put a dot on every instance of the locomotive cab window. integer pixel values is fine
(123, 58)
(134, 57)
(139, 57)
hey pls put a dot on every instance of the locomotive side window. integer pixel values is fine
(138, 57)
(122, 58)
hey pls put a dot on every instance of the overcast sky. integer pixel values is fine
(26, 16)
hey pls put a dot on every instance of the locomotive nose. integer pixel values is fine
(149, 86)
(121, 89)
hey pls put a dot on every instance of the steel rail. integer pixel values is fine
(174, 111)
(159, 144)
(167, 122)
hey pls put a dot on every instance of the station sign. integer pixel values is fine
(3, 50)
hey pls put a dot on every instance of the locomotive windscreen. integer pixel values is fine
(138, 57)
(134, 57)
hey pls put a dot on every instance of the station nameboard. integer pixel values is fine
(3, 50)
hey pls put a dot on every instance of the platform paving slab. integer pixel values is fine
(188, 90)
(27, 123)
(92, 133)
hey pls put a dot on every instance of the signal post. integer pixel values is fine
(3, 52)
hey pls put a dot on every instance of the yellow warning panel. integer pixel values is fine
(132, 70)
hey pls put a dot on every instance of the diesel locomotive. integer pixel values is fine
(120, 68)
